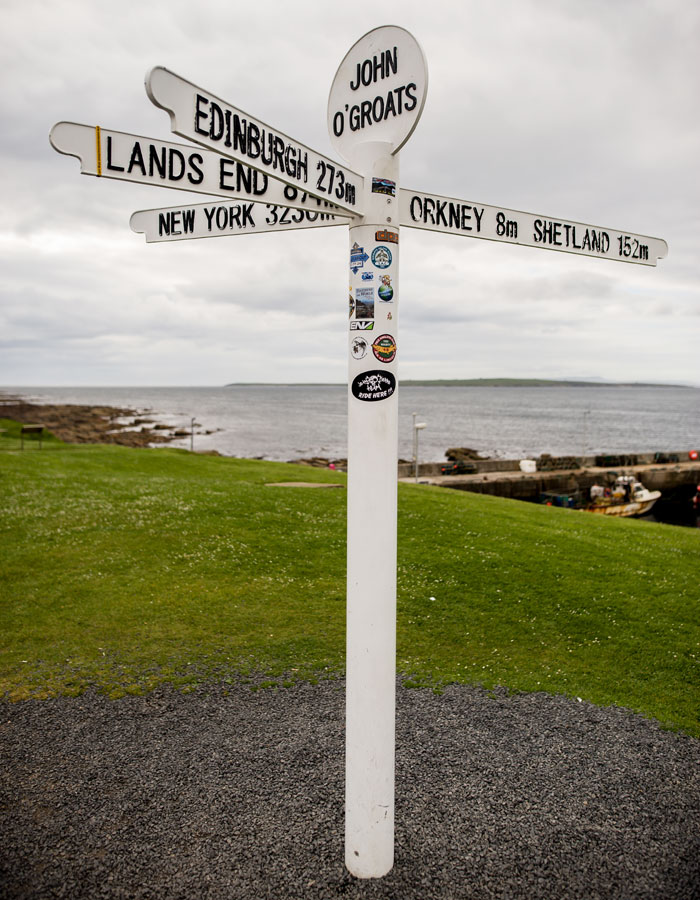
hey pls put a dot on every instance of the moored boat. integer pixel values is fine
(628, 497)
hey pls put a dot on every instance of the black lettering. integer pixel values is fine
(227, 141)
(209, 213)
(290, 163)
(221, 223)
(225, 172)
(399, 97)
(354, 118)
(195, 160)
(392, 62)
(234, 215)
(155, 161)
(411, 99)
(240, 135)
(199, 114)
(586, 242)
(136, 159)
(188, 220)
(163, 224)
(454, 215)
(428, 207)
(390, 105)
(110, 164)
(284, 218)
(465, 217)
(260, 181)
(216, 122)
(302, 165)
(604, 242)
(174, 221)
(537, 236)
(248, 215)
(244, 178)
(267, 159)
(338, 126)
(417, 201)
(365, 113)
(253, 148)
(175, 155)
(573, 239)
(378, 116)
(478, 215)
(279, 154)
(367, 72)
(354, 87)
(440, 210)
(595, 242)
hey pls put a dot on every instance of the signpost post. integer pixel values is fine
(272, 183)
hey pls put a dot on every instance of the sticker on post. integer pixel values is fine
(358, 258)
(362, 325)
(374, 385)
(389, 237)
(351, 306)
(384, 348)
(384, 186)
(381, 257)
(358, 348)
(364, 303)
(386, 291)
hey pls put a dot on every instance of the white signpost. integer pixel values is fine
(180, 223)
(143, 160)
(277, 183)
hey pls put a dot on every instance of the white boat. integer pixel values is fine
(628, 497)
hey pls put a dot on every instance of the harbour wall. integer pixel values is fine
(503, 478)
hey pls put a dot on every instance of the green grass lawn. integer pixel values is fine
(125, 568)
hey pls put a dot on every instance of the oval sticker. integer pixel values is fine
(373, 385)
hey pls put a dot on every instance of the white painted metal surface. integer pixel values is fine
(373, 269)
(378, 92)
(205, 220)
(494, 223)
(185, 167)
(210, 121)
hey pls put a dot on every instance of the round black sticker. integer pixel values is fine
(374, 385)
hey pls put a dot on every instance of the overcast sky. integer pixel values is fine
(581, 111)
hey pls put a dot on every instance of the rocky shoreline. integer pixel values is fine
(76, 424)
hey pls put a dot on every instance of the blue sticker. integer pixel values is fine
(368, 276)
(358, 258)
(381, 257)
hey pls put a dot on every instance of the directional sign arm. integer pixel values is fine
(206, 119)
(184, 167)
(204, 220)
(494, 223)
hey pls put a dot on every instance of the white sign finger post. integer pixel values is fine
(375, 102)
(271, 182)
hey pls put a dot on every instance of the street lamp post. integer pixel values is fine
(417, 426)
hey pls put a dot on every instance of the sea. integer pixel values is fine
(286, 422)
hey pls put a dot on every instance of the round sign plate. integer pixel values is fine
(379, 91)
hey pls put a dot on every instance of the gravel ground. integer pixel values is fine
(226, 792)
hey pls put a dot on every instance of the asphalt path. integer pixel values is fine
(228, 792)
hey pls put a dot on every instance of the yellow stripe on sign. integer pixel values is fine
(98, 148)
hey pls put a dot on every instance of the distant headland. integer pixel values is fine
(476, 382)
